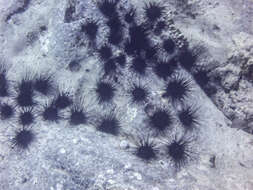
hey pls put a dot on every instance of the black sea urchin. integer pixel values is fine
(139, 65)
(50, 112)
(105, 92)
(109, 124)
(138, 39)
(6, 111)
(150, 52)
(90, 28)
(169, 45)
(179, 151)
(78, 115)
(26, 86)
(26, 116)
(129, 47)
(23, 138)
(108, 8)
(138, 94)
(62, 100)
(114, 24)
(177, 89)
(160, 121)
(164, 69)
(25, 93)
(153, 11)
(187, 60)
(146, 149)
(110, 67)
(115, 37)
(44, 84)
(105, 52)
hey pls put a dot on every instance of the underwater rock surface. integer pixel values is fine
(126, 95)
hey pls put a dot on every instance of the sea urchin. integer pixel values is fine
(179, 151)
(177, 89)
(23, 138)
(109, 124)
(160, 120)
(153, 11)
(105, 92)
(146, 149)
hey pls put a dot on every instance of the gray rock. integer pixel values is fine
(80, 157)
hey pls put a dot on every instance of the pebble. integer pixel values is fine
(75, 141)
(62, 151)
(124, 144)
(110, 171)
(110, 181)
(138, 176)
(127, 166)
(59, 186)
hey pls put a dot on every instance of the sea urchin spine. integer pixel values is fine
(25, 92)
(188, 118)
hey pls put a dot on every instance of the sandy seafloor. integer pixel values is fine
(65, 157)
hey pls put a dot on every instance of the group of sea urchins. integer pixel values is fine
(137, 47)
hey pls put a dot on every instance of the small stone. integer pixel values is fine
(100, 176)
(128, 166)
(62, 151)
(111, 182)
(110, 171)
(138, 176)
(124, 144)
(59, 186)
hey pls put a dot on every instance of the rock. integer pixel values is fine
(40, 36)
